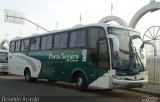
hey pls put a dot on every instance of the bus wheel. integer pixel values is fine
(81, 83)
(28, 77)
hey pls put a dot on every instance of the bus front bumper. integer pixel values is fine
(128, 83)
(3, 69)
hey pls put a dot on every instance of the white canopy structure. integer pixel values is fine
(114, 18)
(2, 44)
(150, 7)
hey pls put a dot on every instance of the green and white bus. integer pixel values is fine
(100, 55)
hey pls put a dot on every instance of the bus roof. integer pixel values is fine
(78, 26)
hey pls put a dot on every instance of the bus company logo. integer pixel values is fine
(63, 56)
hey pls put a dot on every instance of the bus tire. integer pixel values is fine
(28, 78)
(81, 82)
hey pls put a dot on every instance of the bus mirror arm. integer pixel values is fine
(115, 42)
(148, 42)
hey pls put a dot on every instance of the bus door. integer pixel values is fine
(103, 63)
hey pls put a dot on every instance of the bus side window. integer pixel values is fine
(94, 34)
(72, 41)
(18, 44)
(25, 45)
(32, 44)
(63, 40)
(35, 44)
(56, 41)
(49, 41)
(81, 38)
(77, 38)
(43, 42)
(12, 46)
(46, 42)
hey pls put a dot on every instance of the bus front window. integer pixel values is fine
(3, 57)
(137, 43)
(129, 57)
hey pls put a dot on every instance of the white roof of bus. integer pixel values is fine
(76, 27)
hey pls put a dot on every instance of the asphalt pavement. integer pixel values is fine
(45, 91)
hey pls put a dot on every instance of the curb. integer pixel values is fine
(146, 92)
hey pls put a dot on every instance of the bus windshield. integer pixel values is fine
(130, 56)
(3, 57)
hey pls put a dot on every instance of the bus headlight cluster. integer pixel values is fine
(118, 77)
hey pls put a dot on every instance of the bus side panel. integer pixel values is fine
(62, 63)
(59, 64)
(69, 60)
(18, 62)
(14, 64)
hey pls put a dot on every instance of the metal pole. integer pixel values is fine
(35, 24)
(154, 60)
(29, 21)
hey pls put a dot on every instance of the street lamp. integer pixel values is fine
(29, 21)
(18, 18)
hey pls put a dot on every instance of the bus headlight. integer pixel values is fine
(118, 77)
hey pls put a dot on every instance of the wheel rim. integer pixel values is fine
(27, 76)
(79, 81)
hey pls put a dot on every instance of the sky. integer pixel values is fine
(47, 13)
